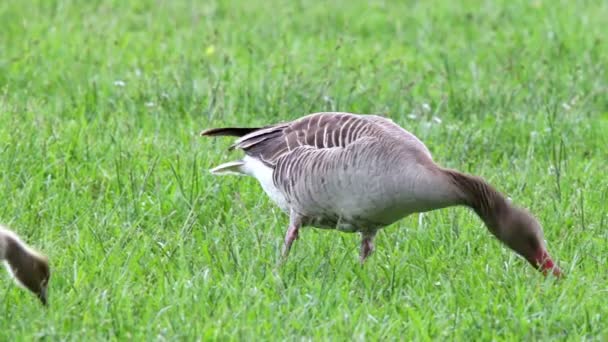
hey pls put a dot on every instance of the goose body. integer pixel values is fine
(29, 268)
(360, 173)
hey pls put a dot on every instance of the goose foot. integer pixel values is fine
(367, 246)
(290, 237)
(292, 234)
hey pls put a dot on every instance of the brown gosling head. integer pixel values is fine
(35, 276)
(29, 268)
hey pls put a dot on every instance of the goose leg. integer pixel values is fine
(367, 245)
(295, 222)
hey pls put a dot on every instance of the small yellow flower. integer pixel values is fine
(210, 50)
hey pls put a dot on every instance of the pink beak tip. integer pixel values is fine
(546, 265)
(552, 270)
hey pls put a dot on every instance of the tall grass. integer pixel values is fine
(101, 166)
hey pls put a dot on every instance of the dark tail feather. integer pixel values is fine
(229, 131)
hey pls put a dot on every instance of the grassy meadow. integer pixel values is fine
(102, 168)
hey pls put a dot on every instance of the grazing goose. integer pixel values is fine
(359, 173)
(29, 268)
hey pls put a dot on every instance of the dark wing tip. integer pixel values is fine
(210, 132)
(228, 131)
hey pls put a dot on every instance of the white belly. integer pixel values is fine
(255, 168)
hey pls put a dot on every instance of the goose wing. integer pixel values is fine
(316, 131)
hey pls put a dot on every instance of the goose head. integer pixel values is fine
(33, 272)
(522, 232)
(514, 226)
(28, 267)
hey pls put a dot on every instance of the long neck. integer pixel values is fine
(485, 200)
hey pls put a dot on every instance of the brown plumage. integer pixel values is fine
(29, 268)
(359, 173)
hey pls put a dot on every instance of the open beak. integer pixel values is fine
(543, 262)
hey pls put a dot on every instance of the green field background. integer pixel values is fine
(102, 168)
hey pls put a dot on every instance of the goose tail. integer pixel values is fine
(230, 168)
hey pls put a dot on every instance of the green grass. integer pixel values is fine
(101, 166)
